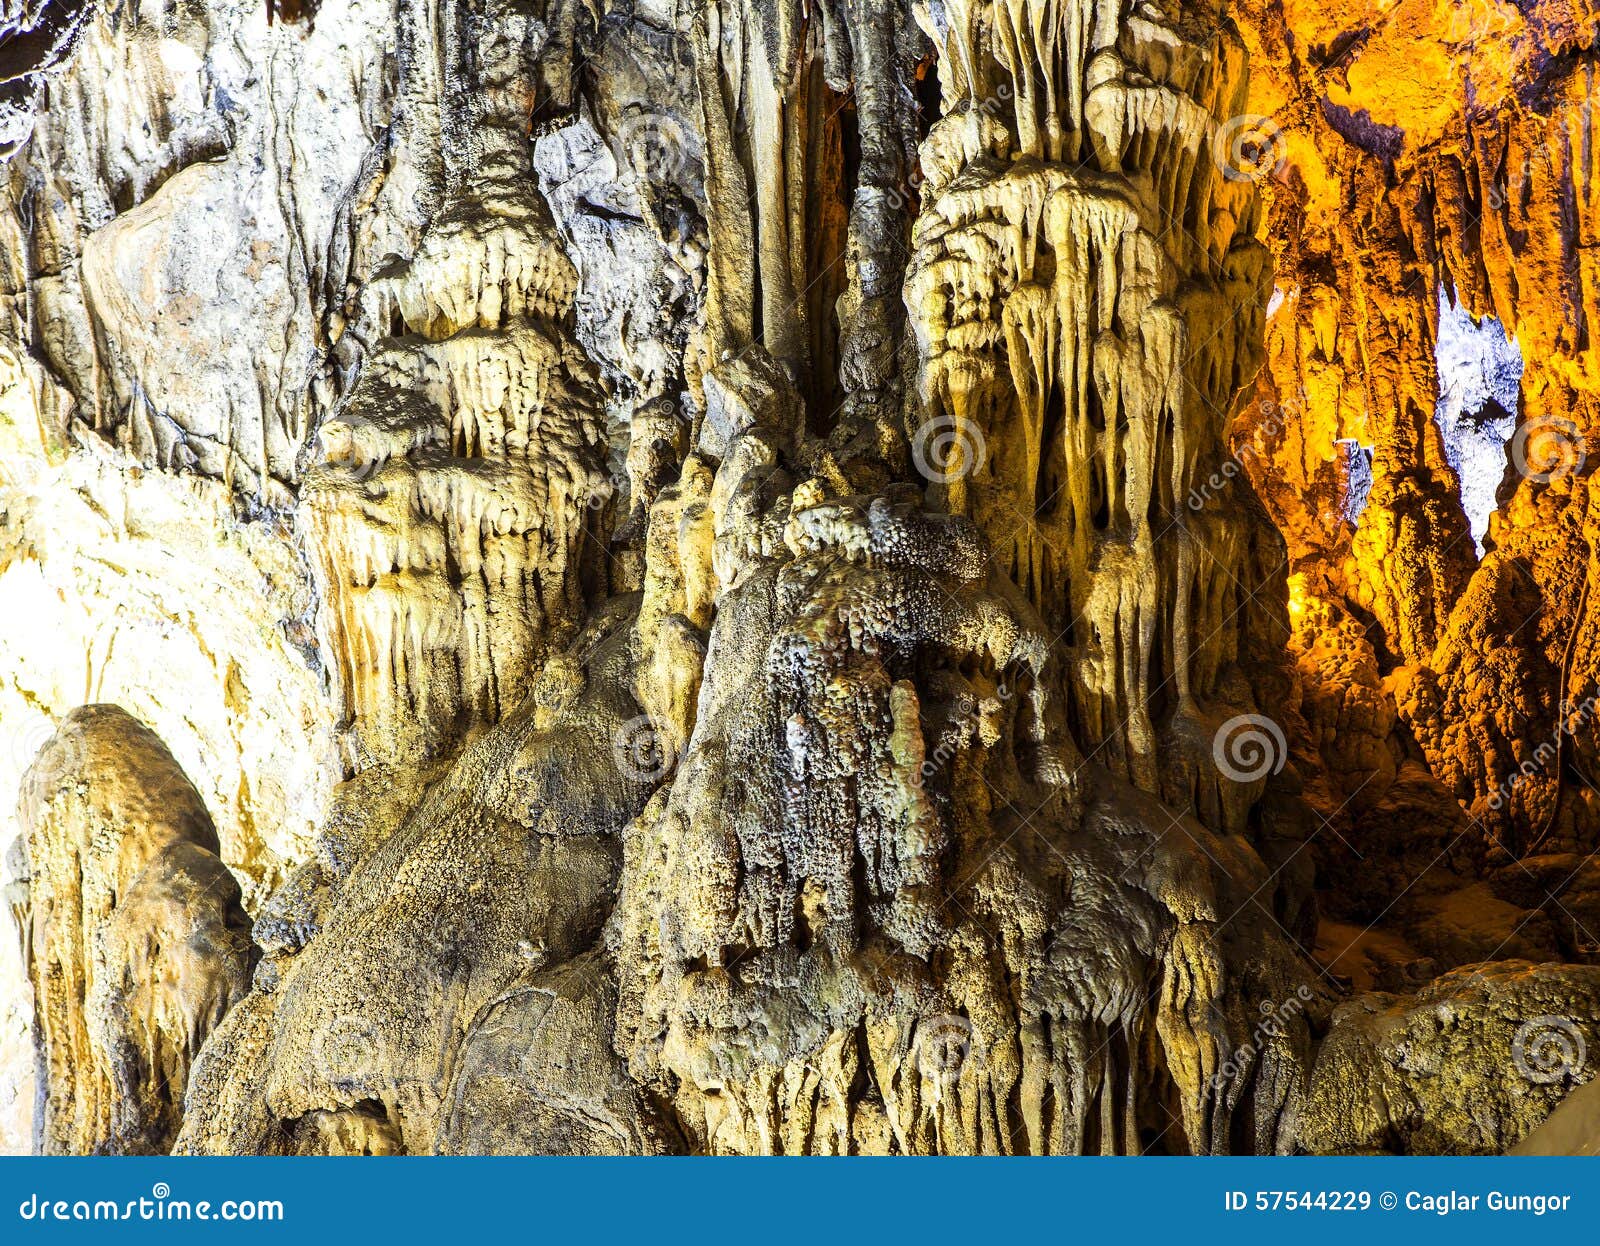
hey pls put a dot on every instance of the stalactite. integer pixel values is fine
(800, 576)
(455, 478)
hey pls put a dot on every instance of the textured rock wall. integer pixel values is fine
(762, 577)
(1456, 190)
(137, 942)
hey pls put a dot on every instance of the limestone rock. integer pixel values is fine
(138, 944)
(1469, 1065)
(881, 576)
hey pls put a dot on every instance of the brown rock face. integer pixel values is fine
(1002, 576)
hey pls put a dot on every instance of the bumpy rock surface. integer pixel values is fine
(137, 943)
(1426, 1074)
(999, 576)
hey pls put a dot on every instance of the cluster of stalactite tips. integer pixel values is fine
(799, 576)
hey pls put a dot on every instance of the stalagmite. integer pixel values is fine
(860, 577)
(137, 943)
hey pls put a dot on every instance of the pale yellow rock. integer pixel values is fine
(760, 579)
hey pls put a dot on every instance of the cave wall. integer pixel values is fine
(770, 577)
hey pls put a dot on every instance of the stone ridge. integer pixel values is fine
(873, 577)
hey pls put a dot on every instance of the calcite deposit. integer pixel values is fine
(756, 576)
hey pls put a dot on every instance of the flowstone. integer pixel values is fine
(752, 577)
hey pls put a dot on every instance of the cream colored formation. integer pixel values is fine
(138, 943)
(752, 596)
